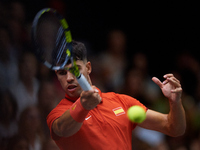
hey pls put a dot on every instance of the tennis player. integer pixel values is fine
(94, 120)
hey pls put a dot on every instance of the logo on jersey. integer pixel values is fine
(118, 111)
(88, 117)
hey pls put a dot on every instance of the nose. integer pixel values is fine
(70, 77)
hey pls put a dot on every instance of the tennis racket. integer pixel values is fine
(53, 43)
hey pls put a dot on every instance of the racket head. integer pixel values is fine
(52, 39)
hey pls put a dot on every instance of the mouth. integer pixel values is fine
(71, 88)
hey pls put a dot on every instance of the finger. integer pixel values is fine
(173, 78)
(96, 92)
(165, 82)
(168, 75)
(177, 90)
(176, 79)
(85, 94)
(174, 82)
(157, 81)
(99, 97)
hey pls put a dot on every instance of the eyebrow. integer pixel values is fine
(67, 68)
(79, 66)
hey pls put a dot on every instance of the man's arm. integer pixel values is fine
(174, 123)
(66, 125)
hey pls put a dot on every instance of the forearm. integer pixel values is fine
(176, 119)
(66, 125)
(71, 121)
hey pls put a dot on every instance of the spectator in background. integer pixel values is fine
(133, 85)
(30, 127)
(189, 68)
(188, 72)
(47, 100)
(12, 41)
(137, 81)
(18, 142)
(26, 90)
(16, 24)
(18, 12)
(113, 61)
(8, 123)
(45, 74)
(50, 144)
(8, 61)
(139, 85)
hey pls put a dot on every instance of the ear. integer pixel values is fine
(89, 67)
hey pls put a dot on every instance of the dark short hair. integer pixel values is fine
(79, 51)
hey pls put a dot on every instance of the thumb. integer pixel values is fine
(157, 81)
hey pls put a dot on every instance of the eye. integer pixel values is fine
(79, 67)
(62, 72)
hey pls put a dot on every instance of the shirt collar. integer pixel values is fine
(70, 98)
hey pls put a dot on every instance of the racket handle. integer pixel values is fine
(84, 83)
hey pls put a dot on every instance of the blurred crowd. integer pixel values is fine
(29, 90)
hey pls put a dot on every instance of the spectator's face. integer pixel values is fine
(28, 68)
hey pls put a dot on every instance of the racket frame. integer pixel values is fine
(69, 56)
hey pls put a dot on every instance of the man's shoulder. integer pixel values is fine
(64, 103)
(62, 106)
(111, 95)
(114, 94)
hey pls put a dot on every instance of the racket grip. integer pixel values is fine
(84, 83)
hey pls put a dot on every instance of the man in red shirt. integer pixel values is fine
(94, 120)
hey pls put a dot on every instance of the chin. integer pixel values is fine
(75, 94)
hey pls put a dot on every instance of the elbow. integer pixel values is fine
(178, 131)
(60, 130)
(181, 133)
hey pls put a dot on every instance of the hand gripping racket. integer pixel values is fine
(53, 43)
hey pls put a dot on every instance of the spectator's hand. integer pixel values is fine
(90, 99)
(171, 87)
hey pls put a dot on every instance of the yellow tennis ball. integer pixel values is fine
(136, 114)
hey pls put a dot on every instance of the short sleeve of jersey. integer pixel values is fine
(57, 112)
(130, 101)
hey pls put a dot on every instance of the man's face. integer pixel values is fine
(69, 82)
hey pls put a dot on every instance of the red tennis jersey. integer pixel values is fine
(106, 127)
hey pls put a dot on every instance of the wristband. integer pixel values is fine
(77, 111)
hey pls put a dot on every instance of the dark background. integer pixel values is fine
(161, 29)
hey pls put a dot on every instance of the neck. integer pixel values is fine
(70, 98)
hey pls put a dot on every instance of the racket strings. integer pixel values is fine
(51, 40)
(60, 46)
